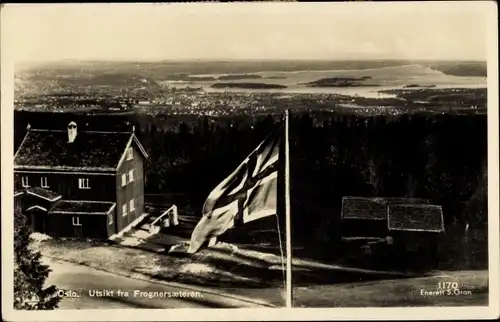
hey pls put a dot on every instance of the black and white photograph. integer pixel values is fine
(250, 156)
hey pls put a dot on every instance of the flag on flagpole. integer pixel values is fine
(247, 194)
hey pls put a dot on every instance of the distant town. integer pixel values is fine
(153, 100)
(169, 89)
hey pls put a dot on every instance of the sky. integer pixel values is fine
(265, 31)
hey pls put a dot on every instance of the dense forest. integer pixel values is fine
(441, 158)
(438, 157)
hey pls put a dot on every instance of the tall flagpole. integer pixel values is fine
(287, 216)
(283, 265)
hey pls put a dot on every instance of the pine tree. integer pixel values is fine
(477, 205)
(29, 272)
(432, 176)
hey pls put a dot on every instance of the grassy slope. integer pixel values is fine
(256, 275)
(394, 293)
(215, 269)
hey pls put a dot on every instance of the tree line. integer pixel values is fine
(439, 157)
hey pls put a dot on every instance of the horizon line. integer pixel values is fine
(223, 60)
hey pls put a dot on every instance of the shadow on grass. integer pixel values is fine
(231, 269)
(249, 270)
(455, 250)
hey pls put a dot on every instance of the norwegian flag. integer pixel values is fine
(248, 194)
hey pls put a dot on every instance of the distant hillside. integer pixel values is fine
(86, 78)
(180, 70)
(161, 68)
(478, 69)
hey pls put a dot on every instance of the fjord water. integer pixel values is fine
(377, 80)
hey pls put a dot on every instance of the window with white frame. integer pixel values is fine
(25, 182)
(124, 179)
(131, 176)
(83, 183)
(76, 221)
(131, 205)
(110, 218)
(124, 209)
(44, 182)
(130, 153)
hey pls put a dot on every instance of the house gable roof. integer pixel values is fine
(82, 207)
(44, 194)
(132, 141)
(91, 150)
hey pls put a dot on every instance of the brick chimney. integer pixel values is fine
(71, 132)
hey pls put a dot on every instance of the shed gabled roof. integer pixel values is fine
(91, 150)
(373, 208)
(413, 217)
(364, 208)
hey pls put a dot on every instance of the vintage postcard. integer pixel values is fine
(267, 161)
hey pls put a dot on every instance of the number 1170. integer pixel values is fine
(447, 285)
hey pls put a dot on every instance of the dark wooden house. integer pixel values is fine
(72, 183)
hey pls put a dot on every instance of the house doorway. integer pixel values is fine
(37, 219)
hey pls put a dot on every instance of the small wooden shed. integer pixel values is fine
(415, 227)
